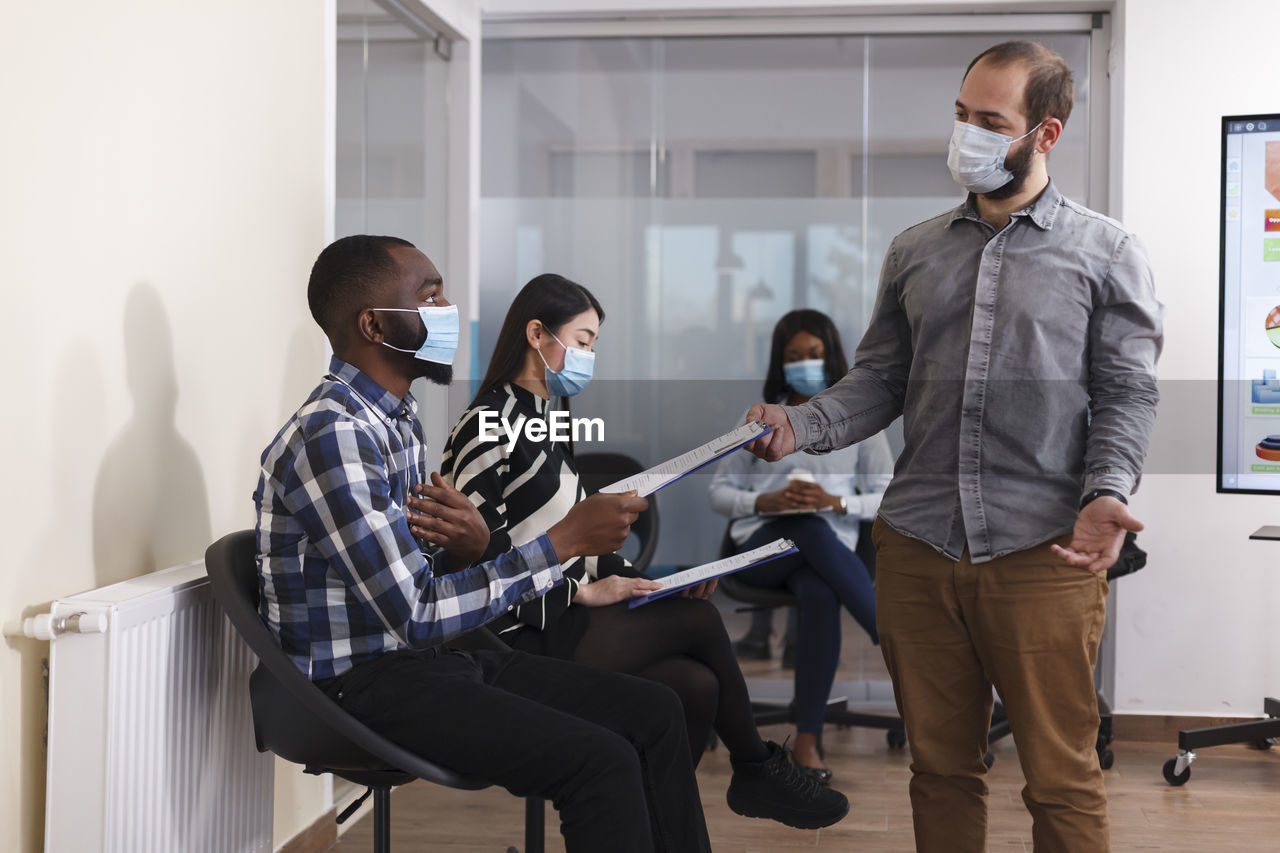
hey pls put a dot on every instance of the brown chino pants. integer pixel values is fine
(1027, 624)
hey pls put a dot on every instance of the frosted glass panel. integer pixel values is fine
(392, 131)
(392, 152)
(755, 174)
(703, 187)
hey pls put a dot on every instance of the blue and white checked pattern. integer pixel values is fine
(342, 579)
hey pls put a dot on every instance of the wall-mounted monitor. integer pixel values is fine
(1249, 281)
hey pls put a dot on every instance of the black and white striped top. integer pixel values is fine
(521, 491)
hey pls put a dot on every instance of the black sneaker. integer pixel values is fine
(776, 789)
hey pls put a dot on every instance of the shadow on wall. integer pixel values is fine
(150, 503)
(303, 365)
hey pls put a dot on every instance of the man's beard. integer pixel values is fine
(1017, 164)
(412, 339)
(440, 374)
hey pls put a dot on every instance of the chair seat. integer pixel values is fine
(756, 596)
(389, 778)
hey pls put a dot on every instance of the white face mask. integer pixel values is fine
(976, 157)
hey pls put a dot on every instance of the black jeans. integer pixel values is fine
(608, 750)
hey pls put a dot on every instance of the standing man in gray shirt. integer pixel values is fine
(1017, 336)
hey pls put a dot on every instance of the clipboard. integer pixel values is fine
(660, 476)
(707, 571)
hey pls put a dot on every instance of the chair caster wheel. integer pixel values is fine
(896, 738)
(1172, 776)
(1106, 758)
(1262, 743)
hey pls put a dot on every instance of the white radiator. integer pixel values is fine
(150, 736)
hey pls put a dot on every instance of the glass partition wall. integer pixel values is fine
(392, 147)
(703, 187)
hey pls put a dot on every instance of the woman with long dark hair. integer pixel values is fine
(818, 503)
(545, 350)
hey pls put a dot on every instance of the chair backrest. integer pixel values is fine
(597, 470)
(291, 716)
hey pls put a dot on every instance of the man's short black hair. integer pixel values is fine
(343, 277)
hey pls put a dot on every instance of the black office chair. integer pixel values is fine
(295, 720)
(597, 470)
(757, 598)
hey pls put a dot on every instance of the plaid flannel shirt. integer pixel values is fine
(341, 577)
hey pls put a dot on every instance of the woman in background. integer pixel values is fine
(817, 502)
(546, 349)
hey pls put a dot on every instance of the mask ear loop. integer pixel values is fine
(1029, 132)
(393, 346)
(538, 350)
(543, 328)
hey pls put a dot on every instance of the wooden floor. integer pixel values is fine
(1232, 802)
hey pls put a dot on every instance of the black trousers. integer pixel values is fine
(608, 750)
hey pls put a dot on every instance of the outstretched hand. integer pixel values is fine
(1098, 535)
(777, 444)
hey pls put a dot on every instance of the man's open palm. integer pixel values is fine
(1098, 534)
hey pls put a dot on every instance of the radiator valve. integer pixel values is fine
(46, 626)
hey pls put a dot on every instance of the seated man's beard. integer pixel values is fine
(1019, 165)
(440, 374)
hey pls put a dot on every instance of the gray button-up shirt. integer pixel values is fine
(1023, 364)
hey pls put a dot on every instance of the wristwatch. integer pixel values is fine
(1097, 493)
(844, 506)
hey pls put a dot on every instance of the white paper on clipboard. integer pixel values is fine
(651, 480)
(691, 577)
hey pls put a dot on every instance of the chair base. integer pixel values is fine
(1259, 734)
(535, 824)
(872, 701)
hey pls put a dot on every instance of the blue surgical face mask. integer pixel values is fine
(441, 322)
(976, 157)
(806, 377)
(576, 373)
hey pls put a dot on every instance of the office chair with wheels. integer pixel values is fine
(769, 710)
(298, 722)
(597, 470)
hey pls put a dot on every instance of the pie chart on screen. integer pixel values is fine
(1273, 326)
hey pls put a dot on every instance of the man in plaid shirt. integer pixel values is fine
(366, 571)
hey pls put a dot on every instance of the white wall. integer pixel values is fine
(1197, 628)
(163, 170)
